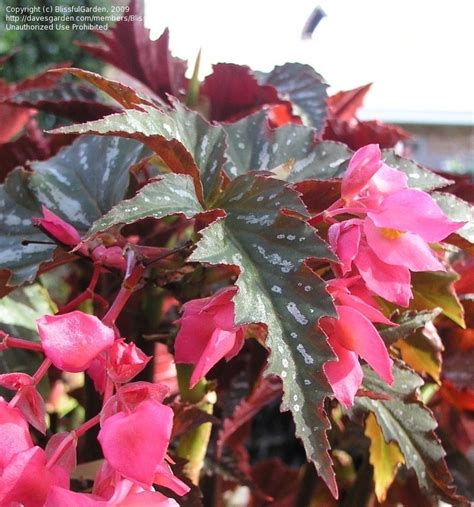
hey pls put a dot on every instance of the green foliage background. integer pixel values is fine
(36, 50)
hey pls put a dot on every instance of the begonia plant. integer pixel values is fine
(180, 258)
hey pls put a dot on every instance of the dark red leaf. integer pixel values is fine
(128, 47)
(318, 195)
(277, 480)
(12, 121)
(233, 92)
(345, 104)
(33, 145)
(266, 390)
(360, 133)
(188, 417)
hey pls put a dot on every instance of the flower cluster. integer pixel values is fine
(387, 236)
(135, 424)
(381, 231)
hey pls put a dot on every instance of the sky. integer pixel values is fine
(418, 53)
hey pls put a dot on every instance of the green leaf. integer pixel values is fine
(435, 290)
(278, 290)
(253, 145)
(20, 309)
(172, 194)
(408, 322)
(304, 87)
(80, 184)
(418, 176)
(18, 313)
(206, 143)
(459, 211)
(183, 139)
(406, 421)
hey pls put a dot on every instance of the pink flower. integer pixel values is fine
(135, 443)
(71, 341)
(26, 480)
(395, 226)
(351, 335)
(125, 361)
(208, 333)
(125, 494)
(57, 228)
(14, 434)
(28, 400)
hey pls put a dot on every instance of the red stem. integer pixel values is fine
(124, 294)
(42, 370)
(9, 342)
(74, 435)
(87, 294)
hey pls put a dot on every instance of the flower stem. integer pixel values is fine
(193, 445)
(72, 437)
(9, 342)
(42, 370)
(123, 295)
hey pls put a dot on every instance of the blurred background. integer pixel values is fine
(416, 54)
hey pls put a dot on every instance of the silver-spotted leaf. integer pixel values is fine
(405, 420)
(304, 87)
(253, 145)
(277, 289)
(172, 194)
(458, 210)
(80, 184)
(418, 176)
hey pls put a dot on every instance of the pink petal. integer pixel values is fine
(135, 443)
(71, 341)
(414, 211)
(14, 381)
(363, 165)
(344, 238)
(388, 180)
(165, 477)
(208, 333)
(365, 309)
(32, 406)
(58, 228)
(355, 332)
(388, 281)
(125, 361)
(130, 396)
(68, 460)
(407, 250)
(14, 434)
(344, 375)
(64, 497)
(26, 479)
(219, 344)
(98, 373)
(192, 338)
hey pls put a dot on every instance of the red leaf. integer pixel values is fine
(357, 134)
(128, 47)
(266, 390)
(344, 104)
(233, 93)
(12, 121)
(318, 195)
(277, 480)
